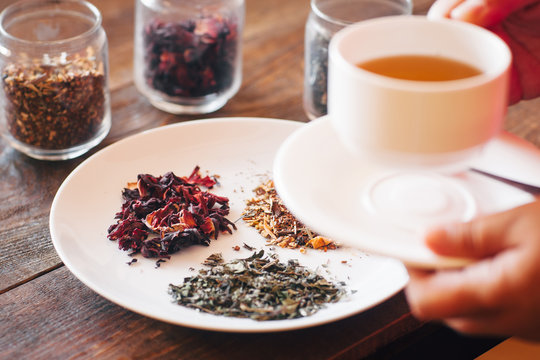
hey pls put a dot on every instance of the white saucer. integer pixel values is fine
(240, 151)
(321, 183)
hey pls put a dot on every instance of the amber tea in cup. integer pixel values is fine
(414, 121)
(418, 98)
(420, 68)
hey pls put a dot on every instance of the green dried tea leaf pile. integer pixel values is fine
(258, 287)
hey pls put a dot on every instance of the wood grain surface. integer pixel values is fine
(47, 313)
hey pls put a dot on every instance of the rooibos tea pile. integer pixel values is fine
(54, 78)
(56, 105)
(267, 213)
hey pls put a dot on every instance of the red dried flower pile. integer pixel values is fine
(161, 215)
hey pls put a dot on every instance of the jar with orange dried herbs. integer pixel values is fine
(54, 85)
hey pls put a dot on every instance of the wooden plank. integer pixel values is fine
(47, 313)
(523, 119)
(271, 88)
(55, 316)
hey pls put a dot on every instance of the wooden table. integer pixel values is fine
(47, 313)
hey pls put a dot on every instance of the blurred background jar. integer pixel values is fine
(325, 19)
(188, 54)
(54, 65)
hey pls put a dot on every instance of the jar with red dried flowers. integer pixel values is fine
(188, 55)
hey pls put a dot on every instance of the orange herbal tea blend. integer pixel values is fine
(266, 213)
(55, 104)
(420, 68)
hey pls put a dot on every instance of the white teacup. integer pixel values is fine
(406, 122)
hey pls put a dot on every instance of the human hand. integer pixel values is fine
(517, 22)
(497, 295)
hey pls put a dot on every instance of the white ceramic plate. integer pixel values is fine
(323, 184)
(241, 152)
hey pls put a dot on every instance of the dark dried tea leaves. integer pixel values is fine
(317, 75)
(161, 215)
(258, 287)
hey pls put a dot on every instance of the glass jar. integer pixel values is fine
(54, 85)
(188, 54)
(325, 19)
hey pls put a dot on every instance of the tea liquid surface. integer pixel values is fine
(420, 68)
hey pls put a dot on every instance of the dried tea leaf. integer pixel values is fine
(258, 287)
(56, 105)
(267, 213)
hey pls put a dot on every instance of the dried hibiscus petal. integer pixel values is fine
(190, 58)
(174, 209)
(196, 179)
(130, 233)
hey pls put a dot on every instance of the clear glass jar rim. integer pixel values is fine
(331, 19)
(19, 5)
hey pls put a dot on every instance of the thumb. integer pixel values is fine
(480, 238)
